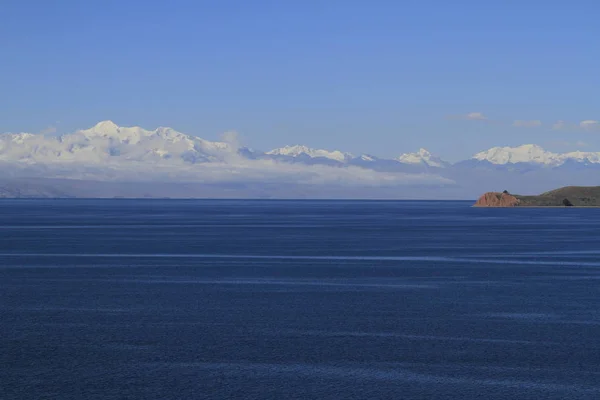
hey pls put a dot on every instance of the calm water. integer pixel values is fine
(153, 299)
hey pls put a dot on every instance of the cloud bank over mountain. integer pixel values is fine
(109, 153)
(108, 160)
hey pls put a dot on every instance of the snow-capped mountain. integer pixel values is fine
(106, 142)
(582, 156)
(111, 154)
(527, 153)
(299, 151)
(422, 157)
(367, 158)
(534, 154)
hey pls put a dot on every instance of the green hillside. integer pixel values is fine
(578, 196)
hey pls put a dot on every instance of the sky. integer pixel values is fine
(378, 77)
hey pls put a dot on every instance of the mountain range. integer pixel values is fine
(163, 161)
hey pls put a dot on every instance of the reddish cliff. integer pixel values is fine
(495, 199)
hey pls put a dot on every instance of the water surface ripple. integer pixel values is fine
(224, 299)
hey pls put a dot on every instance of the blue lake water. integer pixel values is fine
(207, 299)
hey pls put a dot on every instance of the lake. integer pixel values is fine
(261, 299)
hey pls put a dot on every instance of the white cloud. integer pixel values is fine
(244, 171)
(233, 141)
(472, 116)
(232, 138)
(527, 123)
(475, 116)
(561, 125)
(589, 125)
(586, 125)
(327, 175)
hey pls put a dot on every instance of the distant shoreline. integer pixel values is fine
(520, 207)
(234, 199)
(565, 197)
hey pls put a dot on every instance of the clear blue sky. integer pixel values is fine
(362, 76)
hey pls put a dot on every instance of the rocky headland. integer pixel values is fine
(569, 196)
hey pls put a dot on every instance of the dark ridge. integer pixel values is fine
(568, 196)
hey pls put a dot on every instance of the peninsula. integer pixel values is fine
(569, 196)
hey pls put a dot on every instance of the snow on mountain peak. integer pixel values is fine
(582, 156)
(422, 157)
(133, 135)
(298, 150)
(103, 129)
(106, 142)
(368, 157)
(527, 153)
(292, 151)
(105, 126)
(531, 153)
